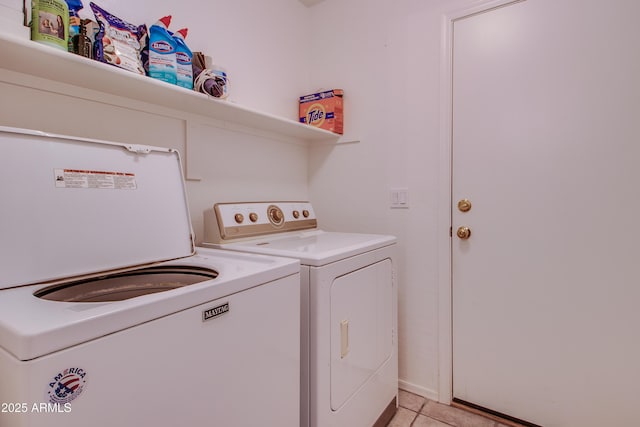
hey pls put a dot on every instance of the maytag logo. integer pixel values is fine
(215, 312)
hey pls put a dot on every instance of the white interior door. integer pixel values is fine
(546, 146)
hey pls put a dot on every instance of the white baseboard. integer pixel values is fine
(419, 390)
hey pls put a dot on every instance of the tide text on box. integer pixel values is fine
(323, 110)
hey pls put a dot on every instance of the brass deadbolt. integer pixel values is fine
(464, 205)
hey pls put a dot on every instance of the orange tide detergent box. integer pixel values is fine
(323, 110)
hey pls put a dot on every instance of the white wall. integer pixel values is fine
(11, 18)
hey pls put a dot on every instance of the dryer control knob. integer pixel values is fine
(239, 218)
(296, 214)
(305, 213)
(275, 215)
(253, 217)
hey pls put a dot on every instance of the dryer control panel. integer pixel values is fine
(232, 221)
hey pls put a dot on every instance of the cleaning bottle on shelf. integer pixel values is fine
(74, 21)
(80, 43)
(162, 52)
(184, 57)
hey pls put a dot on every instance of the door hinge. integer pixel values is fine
(450, 231)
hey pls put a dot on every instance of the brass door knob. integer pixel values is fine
(463, 232)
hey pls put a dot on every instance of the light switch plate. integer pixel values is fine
(399, 198)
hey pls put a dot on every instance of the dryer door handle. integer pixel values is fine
(344, 338)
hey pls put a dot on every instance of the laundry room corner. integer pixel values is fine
(386, 58)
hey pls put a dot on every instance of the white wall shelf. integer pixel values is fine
(31, 58)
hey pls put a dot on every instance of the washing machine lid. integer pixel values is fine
(313, 248)
(74, 206)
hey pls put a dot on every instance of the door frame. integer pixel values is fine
(445, 203)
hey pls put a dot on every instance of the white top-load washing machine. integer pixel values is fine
(110, 316)
(349, 371)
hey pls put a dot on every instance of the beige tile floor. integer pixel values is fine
(416, 411)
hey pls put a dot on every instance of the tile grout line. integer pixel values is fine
(417, 413)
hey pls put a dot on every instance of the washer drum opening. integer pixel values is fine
(126, 285)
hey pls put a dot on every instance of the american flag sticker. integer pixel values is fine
(66, 385)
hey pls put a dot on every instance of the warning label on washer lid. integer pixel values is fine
(75, 178)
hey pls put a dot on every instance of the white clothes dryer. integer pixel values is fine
(349, 371)
(109, 315)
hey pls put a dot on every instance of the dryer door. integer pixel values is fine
(361, 328)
